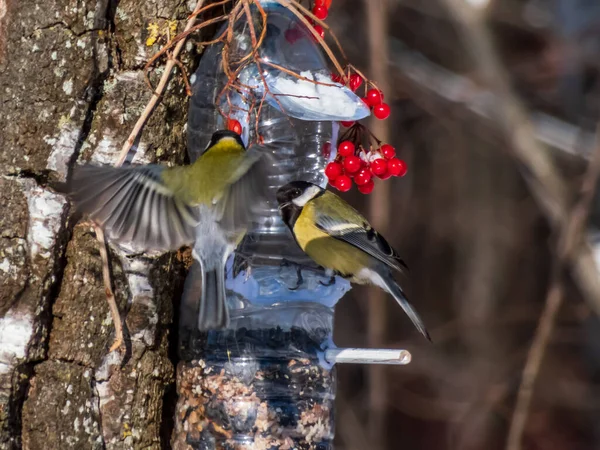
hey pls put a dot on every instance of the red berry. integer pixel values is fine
(374, 97)
(352, 164)
(366, 188)
(293, 34)
(387, 151)
(320, 12)
(365, 101)
(333, 170)
(326, 150)
(379, 167)
(235, 126)
(325, 3)
(347, 123)
(397, 167)
(382, 111)
(346, 148)
(355, 81)
(343, 183)
(338, 78)
(362, 177)
(385, 175)
(320, 31)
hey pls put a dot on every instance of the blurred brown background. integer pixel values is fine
(479, 246)
(478, 218)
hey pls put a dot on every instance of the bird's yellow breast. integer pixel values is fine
(325, 250)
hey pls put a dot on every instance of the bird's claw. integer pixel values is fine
(331, 282)
(300, 280)
(241, 263)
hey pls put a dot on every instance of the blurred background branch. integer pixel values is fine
(494, 109)
(543, 178)
(572, 233)
(379, 215)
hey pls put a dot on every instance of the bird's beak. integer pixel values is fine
(284, 205)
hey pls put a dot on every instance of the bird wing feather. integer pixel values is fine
(361, 235)
(248, 193)
(132, 204)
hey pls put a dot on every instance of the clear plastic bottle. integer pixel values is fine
(263, 383)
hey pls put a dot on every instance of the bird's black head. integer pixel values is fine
(224, 134)
(293, 196)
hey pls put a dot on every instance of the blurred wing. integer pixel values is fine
(133, 205)
(362, 236)
(248, 195)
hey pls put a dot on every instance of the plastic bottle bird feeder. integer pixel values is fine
(268, 381)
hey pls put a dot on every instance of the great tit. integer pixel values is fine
(339, 239)
(209, 204)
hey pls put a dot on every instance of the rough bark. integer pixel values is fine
(71, 89)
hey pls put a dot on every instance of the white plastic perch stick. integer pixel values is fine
(367, 356)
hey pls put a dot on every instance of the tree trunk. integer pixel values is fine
(71, 89)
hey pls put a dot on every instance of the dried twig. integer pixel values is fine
(110, 297)
(241, 9)
(300, 13)
(181, 37)
(159, 90)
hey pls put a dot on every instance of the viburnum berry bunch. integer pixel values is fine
(356, 164)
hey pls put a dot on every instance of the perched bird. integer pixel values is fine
(338, 238)
(209, 204)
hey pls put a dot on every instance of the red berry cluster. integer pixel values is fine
(352, 163)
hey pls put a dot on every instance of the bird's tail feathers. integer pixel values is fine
(203, 302)
(213, 313)
(396, 291)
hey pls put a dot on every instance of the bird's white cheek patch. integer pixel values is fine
(308, 195)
